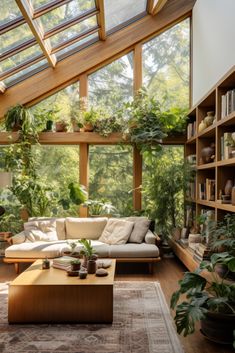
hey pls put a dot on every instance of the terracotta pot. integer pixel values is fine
(24, 214)
(88, 127)
(61, 126)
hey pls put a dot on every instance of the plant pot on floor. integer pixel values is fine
(218, 327)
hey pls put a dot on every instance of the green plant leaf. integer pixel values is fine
(186, 316)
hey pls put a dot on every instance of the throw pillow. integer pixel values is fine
(141, 226)
(47, 226)
(37, 235)
(18, 238)
(116, 231)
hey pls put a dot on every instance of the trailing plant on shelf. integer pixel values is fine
(147, 122)
(19, 118)
(45, 118)
(210, 301)
(107, 125)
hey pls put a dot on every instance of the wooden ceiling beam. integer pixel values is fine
(44, 83)
(158, 6)
(150, 4)
(27, 12)
(2, 87)
(101, 19)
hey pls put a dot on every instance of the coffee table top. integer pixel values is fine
(34, 275)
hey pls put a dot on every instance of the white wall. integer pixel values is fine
(213, 43)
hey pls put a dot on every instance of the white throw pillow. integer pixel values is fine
(37, 235)
(116, 231)
(18, 238)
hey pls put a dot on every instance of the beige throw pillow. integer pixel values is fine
(141, 226)
(116, 231)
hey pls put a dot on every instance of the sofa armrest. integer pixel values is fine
(150, 238)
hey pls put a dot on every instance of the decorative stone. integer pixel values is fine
(101, 272)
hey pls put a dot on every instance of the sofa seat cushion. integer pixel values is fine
(131, 250)
(117, 231)
(85, 228)
(36, 250)
(101, 249)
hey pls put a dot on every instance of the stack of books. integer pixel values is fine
(202, 252)
(227, 103)
(63, 263)
(191, 130)
(207, 190)
(226, 150)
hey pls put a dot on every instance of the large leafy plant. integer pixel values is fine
(202, 296)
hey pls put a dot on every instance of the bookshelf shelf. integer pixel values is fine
(206, 203)
(192, 140)
(206, 166)
(208, 132)
(226, 162)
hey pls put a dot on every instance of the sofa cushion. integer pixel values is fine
(36, 250)
(60, 228)
(150, 238)
(85, 228)
(141, 226)
(37, 235)
(117, 231)
(133, 250)
(18, 238)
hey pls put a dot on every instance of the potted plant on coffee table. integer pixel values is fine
(89, 256)
(212, 302)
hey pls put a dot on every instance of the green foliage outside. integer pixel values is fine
(166, 78)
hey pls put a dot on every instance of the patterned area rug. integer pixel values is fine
(142, 324)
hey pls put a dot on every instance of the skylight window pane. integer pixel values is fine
(38, 3)
(20, 58)
(119, 12)
(73, 31)
(15, 37)
(9, 11)
(65, 13)
(81, 44)
(26, 72)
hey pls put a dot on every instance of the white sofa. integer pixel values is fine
(127, 239)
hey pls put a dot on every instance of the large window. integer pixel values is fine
(163, 181)
(113, 84)
(65, 103)
(166, 66)
(57, 167)
(111, 176)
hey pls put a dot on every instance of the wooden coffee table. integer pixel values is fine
(50, 296)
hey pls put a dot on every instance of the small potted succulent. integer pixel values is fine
(75, 265)
(76, 124)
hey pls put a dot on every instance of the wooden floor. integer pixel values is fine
(167, 272)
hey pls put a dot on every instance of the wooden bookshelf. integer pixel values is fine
(218, 170)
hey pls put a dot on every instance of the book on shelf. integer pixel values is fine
(227, 103)
(191, 130)
(207, 190)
